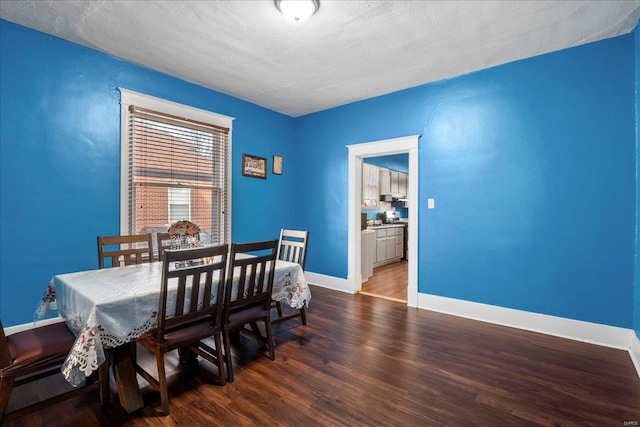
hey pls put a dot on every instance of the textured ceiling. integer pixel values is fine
(347, 51)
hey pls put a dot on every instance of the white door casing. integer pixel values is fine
(357, 152)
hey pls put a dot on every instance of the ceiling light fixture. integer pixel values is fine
(298, 10)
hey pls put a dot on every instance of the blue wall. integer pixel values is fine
(532, 165)
(60, 159)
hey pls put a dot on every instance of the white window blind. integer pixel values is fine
(177, 169)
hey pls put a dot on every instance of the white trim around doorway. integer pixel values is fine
(357, 152)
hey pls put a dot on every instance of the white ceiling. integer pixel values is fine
(347, 51)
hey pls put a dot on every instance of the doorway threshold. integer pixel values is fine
(370, 294)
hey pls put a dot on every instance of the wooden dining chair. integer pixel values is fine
(121, 250)
(31, 355)
(190, 313)
(131, 249)
(293, 248)
(164, 243)
(248, 294)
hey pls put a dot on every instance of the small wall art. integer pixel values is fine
(254, 166)
(277, 165)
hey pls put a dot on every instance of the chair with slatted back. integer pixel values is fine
(31, 355)
(190, 310)
(132, 249)
(248, 294)
(293, 248)
(121, 250)
(164, 243)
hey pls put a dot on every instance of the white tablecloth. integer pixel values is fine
(113, 306)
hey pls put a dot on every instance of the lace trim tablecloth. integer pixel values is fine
(111, 307)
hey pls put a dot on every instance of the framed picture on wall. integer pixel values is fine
(254, 166)
(277, 165)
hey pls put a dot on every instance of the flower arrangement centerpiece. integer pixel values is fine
(184, 234)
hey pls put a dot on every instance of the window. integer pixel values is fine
(179, 203)
(175, 165)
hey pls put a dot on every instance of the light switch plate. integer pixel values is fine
(431, 203)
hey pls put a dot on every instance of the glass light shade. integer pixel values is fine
(297, 10)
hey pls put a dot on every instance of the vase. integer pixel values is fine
(186, 241)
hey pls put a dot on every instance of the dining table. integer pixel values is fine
(111, 308)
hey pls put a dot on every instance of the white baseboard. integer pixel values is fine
(634, 351)
(577, 330)
(19, 328)
(593, 333)
(330, 282)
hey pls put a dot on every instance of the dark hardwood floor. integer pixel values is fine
(388, 281)
(364, 361)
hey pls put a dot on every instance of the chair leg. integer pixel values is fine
(227, 355)
(133, 348)
(162, 380)
(256, 330)
(6, 385)
(220, 359)
(187, 358)
(303, 315)
(279, 308)
(270, 341)
(103, 378)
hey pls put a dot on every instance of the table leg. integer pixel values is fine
(125, 375)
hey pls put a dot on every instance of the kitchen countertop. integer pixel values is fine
(376, 227)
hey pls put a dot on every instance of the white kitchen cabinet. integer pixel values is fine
(403, 184)
(399, 242)
(370, 185)
(394, 178)
(385, 181)
(391, 247)
(367, 254)
(393, 182)
(381, 245)
(389, 244)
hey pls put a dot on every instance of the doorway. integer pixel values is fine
(385, 270)
(357, 153)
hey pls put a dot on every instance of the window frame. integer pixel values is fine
(128, 98)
